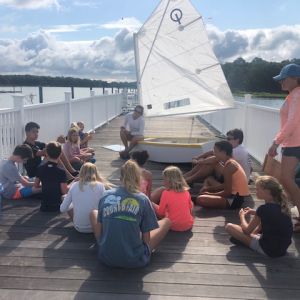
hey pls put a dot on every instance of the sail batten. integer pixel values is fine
(177, 70)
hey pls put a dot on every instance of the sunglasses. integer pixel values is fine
(137, 111)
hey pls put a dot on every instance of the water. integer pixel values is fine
(50, 94)
(268, 102)
(55, 94)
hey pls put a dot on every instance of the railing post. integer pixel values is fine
(19, 129)
(106, 109)
(41, 97)
(92, 93)
(68, 110)
(248, 98)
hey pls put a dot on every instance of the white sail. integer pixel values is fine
(177, 70)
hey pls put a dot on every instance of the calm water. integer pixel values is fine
(54, 94)
(268, 102)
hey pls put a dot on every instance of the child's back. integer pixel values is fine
(177, 207)
(51, 177)
(277, 229)
(84, 201)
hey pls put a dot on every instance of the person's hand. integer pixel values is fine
(242, 212)
(194, 161)
(249, 211)
(203, 190)
(273, 150)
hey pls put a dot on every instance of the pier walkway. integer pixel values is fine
(43, 257)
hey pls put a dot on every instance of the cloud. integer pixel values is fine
(129, 23)
(41, 53)
(88, 3)
(274, 44)
(112, 58)
(30, 4)
(69, 28)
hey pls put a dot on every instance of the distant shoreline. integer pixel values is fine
(262, 95)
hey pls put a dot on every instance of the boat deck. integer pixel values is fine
(43, 257)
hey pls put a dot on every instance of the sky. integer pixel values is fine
(93, 38)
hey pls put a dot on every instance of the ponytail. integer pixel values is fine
(276, 190)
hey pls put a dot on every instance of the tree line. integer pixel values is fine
(249, 77)
(255, 76)
(32, 80)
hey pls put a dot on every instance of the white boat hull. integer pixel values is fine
(175, 150)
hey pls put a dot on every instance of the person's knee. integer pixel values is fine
(200, 200)
(165, 223)
(229, 227)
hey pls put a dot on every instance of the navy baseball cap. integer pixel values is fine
(290, 70)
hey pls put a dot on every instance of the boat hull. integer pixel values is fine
(175, 150)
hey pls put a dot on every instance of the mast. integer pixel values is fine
(137, 68)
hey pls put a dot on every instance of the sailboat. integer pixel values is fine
(177, 74)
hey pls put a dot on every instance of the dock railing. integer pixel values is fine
(55, 118)
(259, 124)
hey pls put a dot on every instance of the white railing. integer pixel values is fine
(55, 118)
(259, 124)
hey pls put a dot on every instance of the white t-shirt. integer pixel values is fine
(241, 155)
(82, 202)
(136, 126)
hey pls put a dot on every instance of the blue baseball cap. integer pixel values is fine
(290, 70)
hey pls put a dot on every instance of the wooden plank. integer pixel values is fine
(41, 255)
(140, 287)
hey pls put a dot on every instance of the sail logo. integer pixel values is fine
(176, 15)
(177, 103)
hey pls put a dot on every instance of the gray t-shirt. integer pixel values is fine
(9, 176)
(124, 216)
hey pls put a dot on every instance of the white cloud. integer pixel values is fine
(69, 28)
(274, 44)
(42, 53)
(88, 3)
(30, 4)
(129, 23)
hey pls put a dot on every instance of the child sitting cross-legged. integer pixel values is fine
(270, 230)
(175, 201)
(16, 186)
(52, 178)
(84, 196)
(85, 137)
(146, 176)
(125, 224)
(71, 148)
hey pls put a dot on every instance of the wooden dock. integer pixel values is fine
(43, 257)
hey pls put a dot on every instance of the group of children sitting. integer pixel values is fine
(124, 219)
